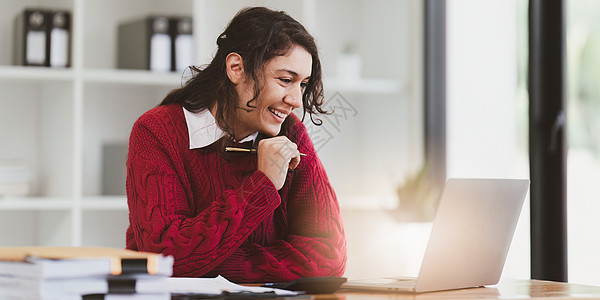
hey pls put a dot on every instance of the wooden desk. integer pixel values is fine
(506, 289)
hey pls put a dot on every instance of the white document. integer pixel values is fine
(36, 48)
(184, 51)
(160, 52)
(216, 286)
(59, 47)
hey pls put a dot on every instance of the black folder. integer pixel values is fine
(183, 43)
(145, 44)
(30, 38)
(153, 43)
(59, 33)
(42, 37)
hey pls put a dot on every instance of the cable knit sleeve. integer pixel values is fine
(162, 219)
(315, 244)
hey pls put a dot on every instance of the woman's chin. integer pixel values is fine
(271, 130)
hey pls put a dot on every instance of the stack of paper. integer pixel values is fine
(15, 178)
(48, 273)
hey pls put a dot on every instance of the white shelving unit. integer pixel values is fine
(35, 73)
(56, 120)
(73, 112)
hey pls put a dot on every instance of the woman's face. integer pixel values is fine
(281, 91)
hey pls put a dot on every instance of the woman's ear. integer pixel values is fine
(235, 67)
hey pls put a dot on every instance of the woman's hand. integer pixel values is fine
(275, 156)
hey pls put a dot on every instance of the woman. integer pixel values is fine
(269, 216)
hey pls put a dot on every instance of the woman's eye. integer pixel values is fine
(285, 80)
(303, 85)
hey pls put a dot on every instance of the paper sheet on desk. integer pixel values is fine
(216, 286)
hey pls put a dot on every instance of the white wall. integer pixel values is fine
(484, 134)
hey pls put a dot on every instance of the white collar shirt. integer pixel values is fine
(203, 129)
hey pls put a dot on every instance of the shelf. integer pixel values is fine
(143, 77)
(104, 203)
(35, 73)
(362, 85)
(43, 204)
(137, 77)
(35, 203)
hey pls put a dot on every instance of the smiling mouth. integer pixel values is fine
(279, 114)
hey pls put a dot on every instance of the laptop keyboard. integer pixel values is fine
(404, 283)
(391, 282)
(401, 282)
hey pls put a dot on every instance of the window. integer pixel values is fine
(583, 125)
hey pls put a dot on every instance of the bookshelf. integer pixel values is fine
(56, 121)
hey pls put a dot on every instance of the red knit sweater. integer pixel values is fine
(217, 214)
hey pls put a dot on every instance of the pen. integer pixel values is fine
(236, 149)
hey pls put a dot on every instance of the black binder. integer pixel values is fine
(152, 43)
(30, 39)
(145, 44)
(183, 43)
(59, 34)
(42, 37)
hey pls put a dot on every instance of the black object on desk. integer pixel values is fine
(238, 296)
(311, 285)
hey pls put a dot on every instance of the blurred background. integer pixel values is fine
(63, 143)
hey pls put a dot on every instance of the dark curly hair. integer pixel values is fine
(257, 34)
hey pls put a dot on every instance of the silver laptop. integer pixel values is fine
(472, 231)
